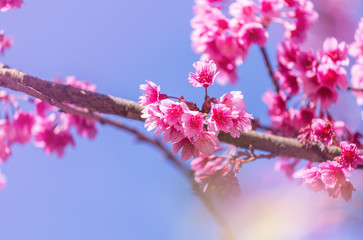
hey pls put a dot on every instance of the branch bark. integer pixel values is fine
(56, 92)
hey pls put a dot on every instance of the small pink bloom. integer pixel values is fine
(288, 80)
(245, 10)
(206, 142)
(312, 179)
(334, 51)
(23, 124)
(84, 126)
(332, 174)
(306, 63)
(271, 8)
(253, 32)
(151, 94)
(51, 137)
(188, 149)
(172, 111)
(193, 123)
(332, 75)
(173, 134)
(205, 73)
(322, 131)
(154, 118)
(221, 118)
(287, 53)
(319, 93)
(350, 157)
(41, 108)
(276, 102)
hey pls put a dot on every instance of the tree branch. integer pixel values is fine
(269, 68)
(281, 146)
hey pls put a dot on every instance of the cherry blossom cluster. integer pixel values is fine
(217, 174)
(227, 40)
(45, 127)
(186, 126)
(5, 5)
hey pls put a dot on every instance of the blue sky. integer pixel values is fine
(114, 187)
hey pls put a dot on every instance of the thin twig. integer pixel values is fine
(269, 68)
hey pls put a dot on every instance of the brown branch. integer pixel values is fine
(281, 146)
(269, 68)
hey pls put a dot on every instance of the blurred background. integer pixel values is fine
(114, 187)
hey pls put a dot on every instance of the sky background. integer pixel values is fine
(114, 187)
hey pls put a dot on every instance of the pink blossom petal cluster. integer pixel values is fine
(216, 176)
(322, 131)
(351, 156)
(46, 127)
(151, 94)
(205, 73)
(317, 75)
(8, 4)
(189, 129)
(330, 176)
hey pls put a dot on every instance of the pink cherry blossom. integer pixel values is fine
(205, 73)
(151, 94)
(193, 123)
(305, 16)
(23, 124)
(312, 179)
(206, 142)
(172, 111)
(332, 75)
(287, 53)
(271, 8)
(253, 32)
(188, 149)
(334, 51)
(276, 103)
(245, 10)
(221, 118)
(317, 92)
(154, 118)
(322, 131)
(216, 175)
(51, 137)
(351, 156)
